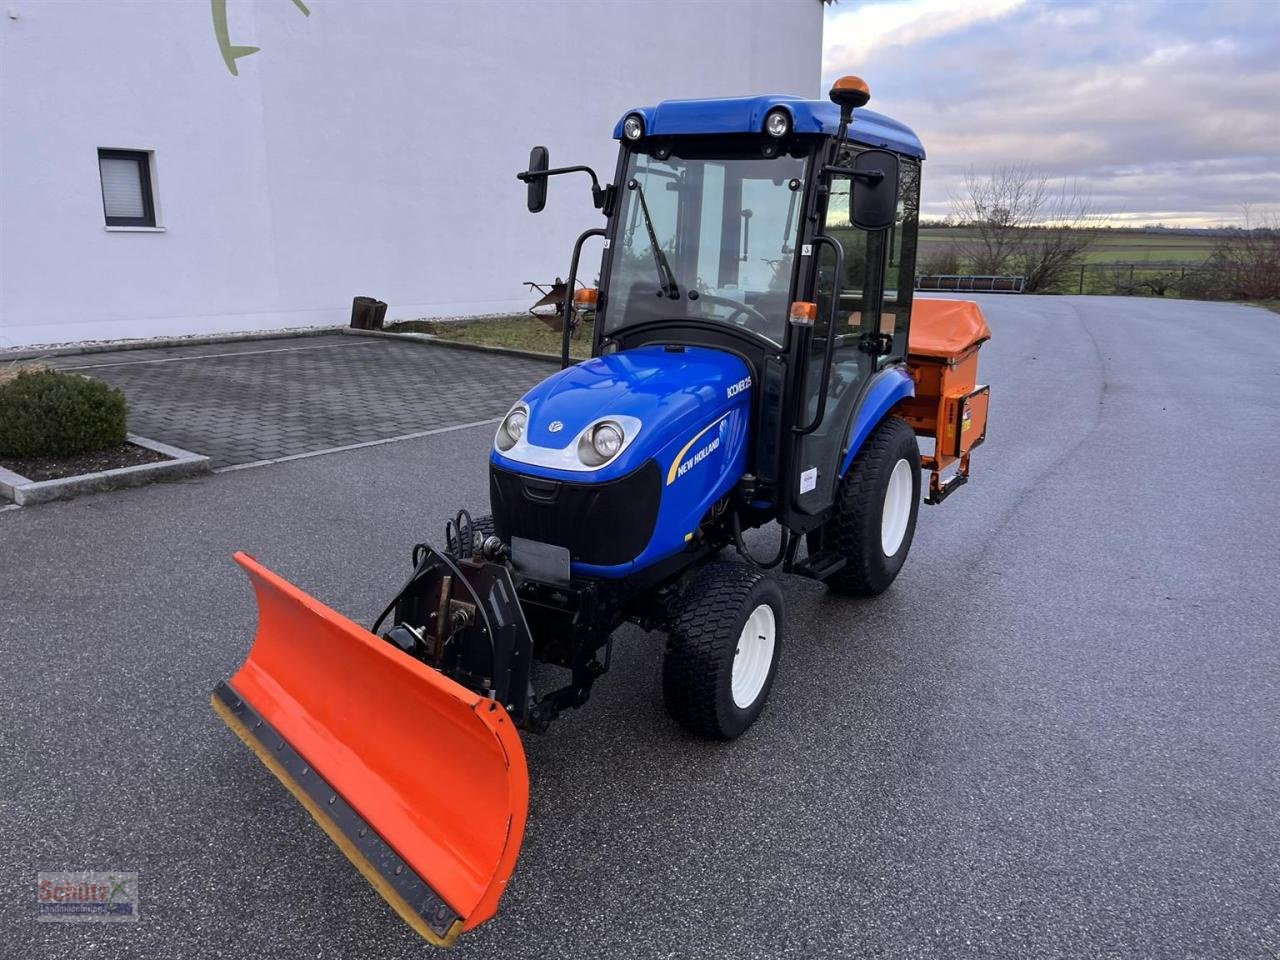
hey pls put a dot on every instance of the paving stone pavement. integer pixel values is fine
(265, 399)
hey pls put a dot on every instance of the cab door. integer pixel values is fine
(859, 294)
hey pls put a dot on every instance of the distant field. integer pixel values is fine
(1109, 246)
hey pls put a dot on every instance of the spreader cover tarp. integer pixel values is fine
(419, 781)
(947, 329)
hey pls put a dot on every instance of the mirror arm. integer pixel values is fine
(598, 193)
(866, 176)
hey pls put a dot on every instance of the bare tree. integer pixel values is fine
(996, 208)
(1020, 223)
(1246, 263)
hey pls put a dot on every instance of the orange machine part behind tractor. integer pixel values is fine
(949, 406)
(419, 781)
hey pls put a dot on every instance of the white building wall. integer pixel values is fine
(368, 149)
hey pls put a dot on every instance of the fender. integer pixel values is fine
(886, 388)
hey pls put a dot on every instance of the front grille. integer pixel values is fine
(600, 523)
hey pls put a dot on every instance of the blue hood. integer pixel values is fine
(668, 392)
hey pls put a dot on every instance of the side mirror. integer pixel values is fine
(539, 161)
(875, 192)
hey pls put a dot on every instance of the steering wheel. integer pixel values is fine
(747, 313)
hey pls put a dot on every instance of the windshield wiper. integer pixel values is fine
(666, 277)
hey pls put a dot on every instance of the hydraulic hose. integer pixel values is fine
(453, 536)
(741, 547)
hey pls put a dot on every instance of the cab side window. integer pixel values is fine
(850, 311)
(899, 279)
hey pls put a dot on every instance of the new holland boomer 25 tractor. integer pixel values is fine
(757, 358)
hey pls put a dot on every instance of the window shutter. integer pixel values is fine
(122, 187)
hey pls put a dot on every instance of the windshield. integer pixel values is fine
(706, 238)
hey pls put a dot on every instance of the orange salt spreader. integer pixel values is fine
(949, 405)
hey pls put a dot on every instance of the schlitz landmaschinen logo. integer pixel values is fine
(82, 895)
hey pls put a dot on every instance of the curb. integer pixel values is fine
(39, 353)
(183, 464)
(430, 339)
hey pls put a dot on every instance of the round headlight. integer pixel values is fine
(606, 439)
(511, 429)
(633, 127)
(777, 123)
(517, 420)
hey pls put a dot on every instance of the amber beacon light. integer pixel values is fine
(849, 93)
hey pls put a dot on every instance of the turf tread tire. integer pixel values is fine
(482, 528)
(702, 639)
(854, 528)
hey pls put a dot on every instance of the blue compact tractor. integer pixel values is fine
(749, 366)
(757, 359)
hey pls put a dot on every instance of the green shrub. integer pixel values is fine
(48, 413)
(1203, 282)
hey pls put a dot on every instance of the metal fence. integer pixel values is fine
(1122, 278)
(1142, 278)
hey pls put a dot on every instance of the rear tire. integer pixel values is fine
(875, 512)
(722, 650)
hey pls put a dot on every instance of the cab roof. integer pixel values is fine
(746, 115)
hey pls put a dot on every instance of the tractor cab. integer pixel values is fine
(777, 231)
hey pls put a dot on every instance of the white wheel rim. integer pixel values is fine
(897, 508)
(754, 656)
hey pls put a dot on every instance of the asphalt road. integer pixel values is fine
(1057, 735)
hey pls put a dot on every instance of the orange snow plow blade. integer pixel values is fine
(419, 781)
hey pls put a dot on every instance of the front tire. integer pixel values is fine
(875, 513)
(722, 650)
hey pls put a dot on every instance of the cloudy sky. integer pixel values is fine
(1169, 111)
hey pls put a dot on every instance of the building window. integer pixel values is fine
(126, 188)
